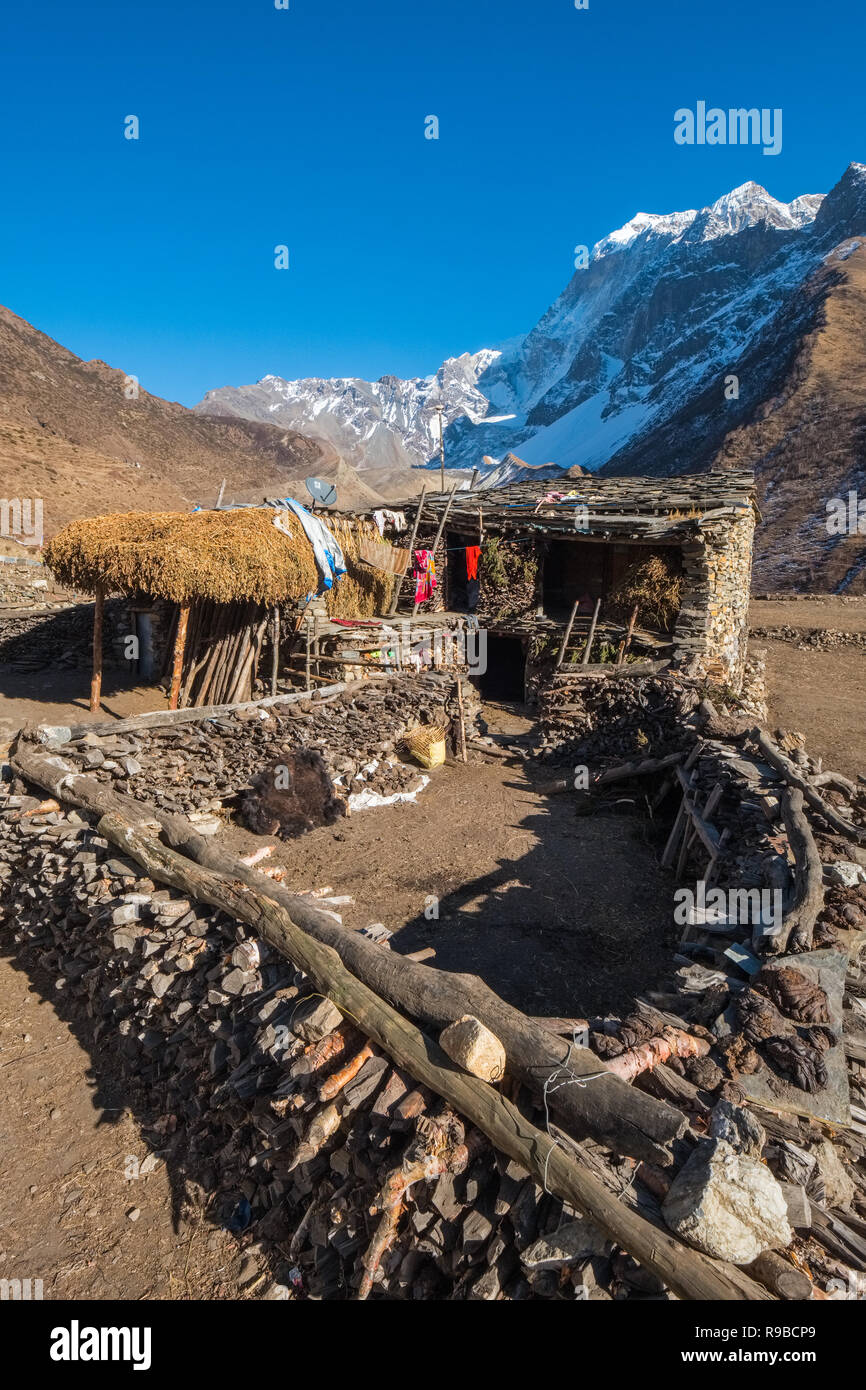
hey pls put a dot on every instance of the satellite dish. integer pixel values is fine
(321, 491)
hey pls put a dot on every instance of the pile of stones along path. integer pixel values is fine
(204, 765)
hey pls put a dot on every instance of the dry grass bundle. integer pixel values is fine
(655, 585)
(222, 556)
(362, 591)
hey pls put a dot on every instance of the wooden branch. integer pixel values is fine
(96, 679)
(792, 775)
(584, 661)
(672, 1042)
(799, 923)
(161, 718)
(567, 638)
(638, 767)
(607, 1109)
(688, 1273)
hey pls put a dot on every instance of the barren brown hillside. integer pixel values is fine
(69, 434)
(807, 440)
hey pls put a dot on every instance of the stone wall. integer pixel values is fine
(711, 633)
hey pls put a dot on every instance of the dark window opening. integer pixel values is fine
(505, 675)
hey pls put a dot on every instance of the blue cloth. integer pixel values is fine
(329, 556)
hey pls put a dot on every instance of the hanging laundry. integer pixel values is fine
(326, 548)
(424, 574)
(385, 517)
(473, 553)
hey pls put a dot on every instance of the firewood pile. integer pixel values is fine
(342, 1175)
(585, 719)
(206, 766)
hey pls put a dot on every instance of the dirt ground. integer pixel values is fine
(821, 694)
(62, 696)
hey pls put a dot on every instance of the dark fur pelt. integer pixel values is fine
(292, 796)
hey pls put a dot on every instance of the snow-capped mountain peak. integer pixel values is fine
(666, 308)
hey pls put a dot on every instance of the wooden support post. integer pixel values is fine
(275, 655)
(588, 648)
(567, 638)
(179, 647)
(96, 679)
(462, 720)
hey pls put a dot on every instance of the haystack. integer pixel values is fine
(226, 557)
(653, 585)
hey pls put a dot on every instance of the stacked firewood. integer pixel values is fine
(348, 1177)
(585, 719)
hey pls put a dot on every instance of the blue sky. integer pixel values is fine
(305, 127)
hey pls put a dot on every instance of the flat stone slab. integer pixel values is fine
(827, 968)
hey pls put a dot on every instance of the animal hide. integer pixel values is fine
(292, 796)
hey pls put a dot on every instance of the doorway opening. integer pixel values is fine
(505, 675)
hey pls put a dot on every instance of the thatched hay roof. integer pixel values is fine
(221, 556)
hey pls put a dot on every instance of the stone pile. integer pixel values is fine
(203, 766)
(37, 641)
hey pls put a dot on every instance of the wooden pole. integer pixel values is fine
(567, 638)
(399, 584)
(179, 646)
(588, 648)
(462, 720)
(96, 679)
(439, 410)
(275, 655)
(441, 527)
(626, 641)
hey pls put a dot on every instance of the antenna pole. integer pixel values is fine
(439, 410)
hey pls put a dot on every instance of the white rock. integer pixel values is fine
(474, 1048)
(727, 1204)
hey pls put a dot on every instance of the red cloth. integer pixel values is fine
(472, 554)
(424, 574)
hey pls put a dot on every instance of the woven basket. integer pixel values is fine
(426, 743)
